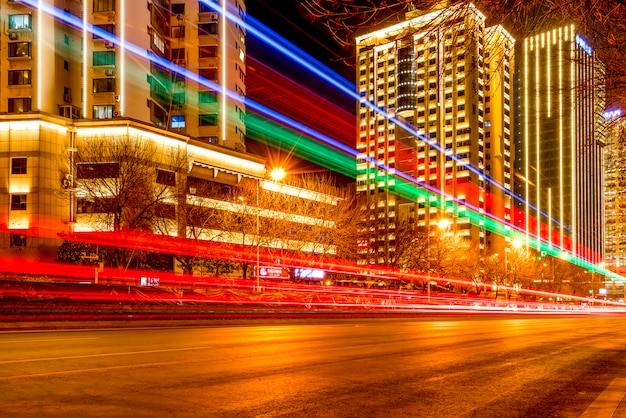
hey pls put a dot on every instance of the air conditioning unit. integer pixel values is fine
(67, 98)
(213, 17)
(109, 72)
(179, 62)
(13, 36)
(108, 44)
(68, 181)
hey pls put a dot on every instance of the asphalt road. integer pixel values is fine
(427, 367)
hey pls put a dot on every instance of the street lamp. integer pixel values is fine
(516, 244)
(442, 224)
(278, 174)
(258, 240)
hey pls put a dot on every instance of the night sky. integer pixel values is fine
(289, 20)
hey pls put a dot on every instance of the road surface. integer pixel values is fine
(424, 367)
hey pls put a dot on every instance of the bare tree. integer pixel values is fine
(200, 218)
(312, 221)
(126, 185)
(604, 21)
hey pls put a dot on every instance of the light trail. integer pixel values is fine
(406, 186)
(495, 224)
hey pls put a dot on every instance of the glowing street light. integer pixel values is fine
(516, 244)
(278, 174)
(443, 224)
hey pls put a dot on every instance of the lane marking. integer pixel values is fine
(49, 340)
(93, 369)
(605, 405)
(127, 353)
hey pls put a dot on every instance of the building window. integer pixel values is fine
(18, 202)
(208, 73)
(203, 7)
(207, 28)
(103, 111)
(19, 77)
(208, 139)
(178, 54)
(103, 5)
(103, 58)
(178, 31)
(19, 49)
(207, 97)
(103, 85)
(18, 165)
(166, 177)
(100, 30)
(178, 8)
(209, 119)
(19, 105)
(97, 170)
(20, 22)
(17, 240)
(178, 121)
(178, 99)
(207, 51)
(158, 43)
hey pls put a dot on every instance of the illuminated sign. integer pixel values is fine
(611, 114)
(583, 45)
(150, 281)
(271, 272)
(310, 274)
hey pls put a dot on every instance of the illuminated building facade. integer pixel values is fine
(435, 106)
(160, 72)
(615, 190)
(51, 189)
(161, 62)
(560, 136)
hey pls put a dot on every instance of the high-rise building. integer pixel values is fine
(163, 64)
(559, 141)
(436, 106)
(615, 190)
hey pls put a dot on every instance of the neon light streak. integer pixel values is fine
(194, 77)
(142, 53)
(223, 62)
(86, 50)
(561, 140)
(320, 70)
(573, 137)
(548, 74)
(537, 142)
(526, 147)
(122, 57)
(39, 52)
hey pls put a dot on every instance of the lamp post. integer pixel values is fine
(276, 175)
(258, 241)
(515, 245)
(442, 224)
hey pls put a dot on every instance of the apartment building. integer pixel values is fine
(179, 65)
(435, 108)
(165, 76)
